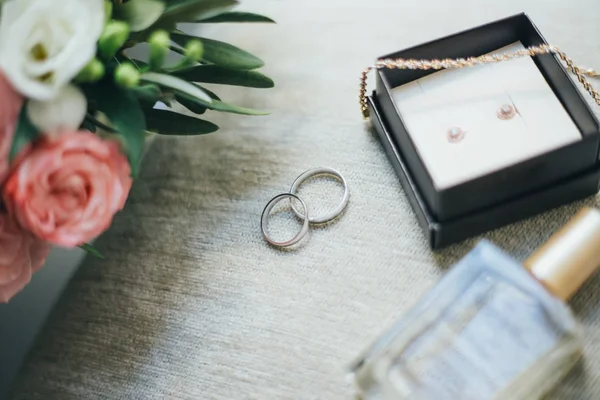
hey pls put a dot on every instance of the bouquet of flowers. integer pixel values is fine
(75, 111)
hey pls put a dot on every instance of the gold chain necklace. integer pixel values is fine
(456, 63)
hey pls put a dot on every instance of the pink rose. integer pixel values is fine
(66, 190)
(21, 254)
(10, 106)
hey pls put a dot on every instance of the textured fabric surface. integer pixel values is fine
(193, 305)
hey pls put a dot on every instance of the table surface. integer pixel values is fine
(193, 305)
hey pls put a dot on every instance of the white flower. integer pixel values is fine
(65, 111)
(45, 43)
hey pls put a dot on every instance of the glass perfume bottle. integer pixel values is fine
(491, 328)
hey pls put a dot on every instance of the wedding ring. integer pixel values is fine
(316, 172)
(265, 216)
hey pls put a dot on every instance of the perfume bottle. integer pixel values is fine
(491, 328)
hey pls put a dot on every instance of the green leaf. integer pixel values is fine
(171, 123)
(193, 106)
(193, 10)
(212, 95)
(225, 76)
(222, 54)
(177, 84)
(122, 108)
(149, 92)
(25, 133)
(92, 250)
(218, 105)
(237, 16)
(140, 14)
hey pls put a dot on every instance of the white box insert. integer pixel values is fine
(470, 98)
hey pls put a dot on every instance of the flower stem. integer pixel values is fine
(99, 124)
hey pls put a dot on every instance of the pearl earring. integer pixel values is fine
(506, 112)
(455, 134)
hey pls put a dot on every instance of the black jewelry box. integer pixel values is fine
(548, 180)
(444, 233)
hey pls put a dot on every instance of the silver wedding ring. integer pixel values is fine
(316, 172)
(304, 213)
(265, 216)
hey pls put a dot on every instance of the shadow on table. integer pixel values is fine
(519, 239)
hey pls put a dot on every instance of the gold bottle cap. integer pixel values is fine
(571, 255)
